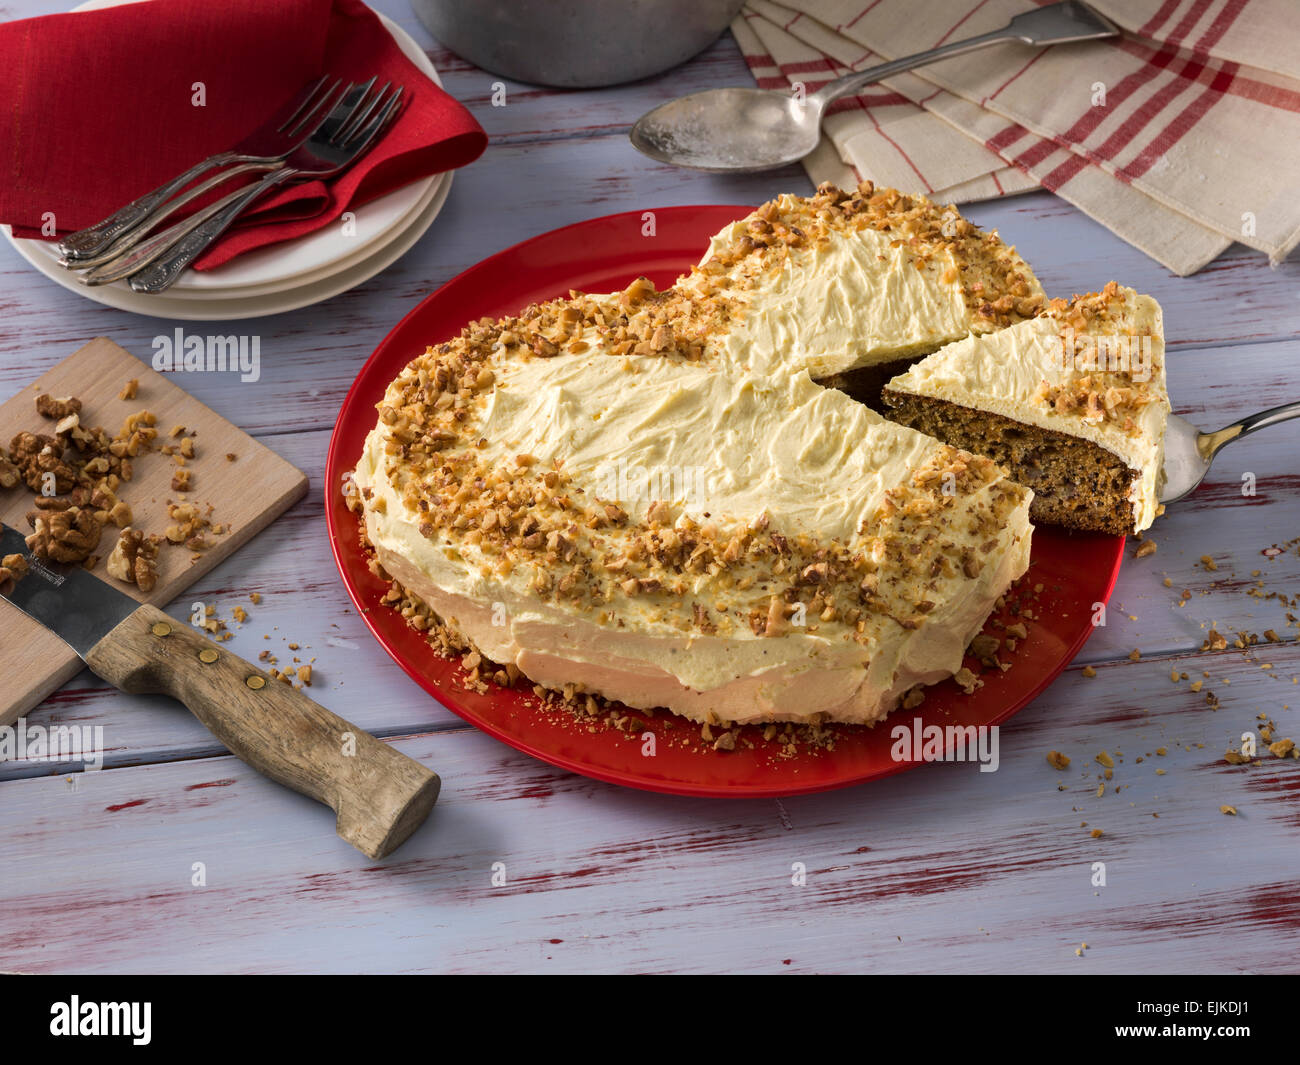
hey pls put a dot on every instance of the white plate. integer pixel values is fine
(289, 264)
(237, 305)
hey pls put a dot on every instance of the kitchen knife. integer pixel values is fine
(379, 794)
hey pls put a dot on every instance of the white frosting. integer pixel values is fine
(1005, 372)
(812, 458)
(851, 302)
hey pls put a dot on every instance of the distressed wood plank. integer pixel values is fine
(959, 871)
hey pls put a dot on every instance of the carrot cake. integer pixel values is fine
(605, 493)
(1072, 402)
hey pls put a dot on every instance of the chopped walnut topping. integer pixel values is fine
(996, 284)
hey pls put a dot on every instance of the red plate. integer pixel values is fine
(602, 255)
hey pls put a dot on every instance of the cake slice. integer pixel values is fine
(1073, 402)
(856, 286)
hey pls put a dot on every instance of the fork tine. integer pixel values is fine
(320, 109)
(307, 98)
(360, 140)
(359, 117)
(344, 108)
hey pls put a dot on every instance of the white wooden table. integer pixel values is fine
(938, 869)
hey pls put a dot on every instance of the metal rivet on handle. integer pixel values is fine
(161, 628)
(255, 682)
(207, 655)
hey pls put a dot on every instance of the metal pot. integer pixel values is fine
(576, 43)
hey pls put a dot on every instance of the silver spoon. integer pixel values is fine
(1189, 452)
(748, 130)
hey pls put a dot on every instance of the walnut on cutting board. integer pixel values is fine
(135, 559)
(63, 532)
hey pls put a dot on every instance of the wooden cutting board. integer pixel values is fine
(246, 494)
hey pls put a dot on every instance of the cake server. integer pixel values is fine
(379, 794)
(748, 130)
(1189, 452)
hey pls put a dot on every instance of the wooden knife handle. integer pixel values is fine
(380, 795)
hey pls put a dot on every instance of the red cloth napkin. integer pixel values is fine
(99, 109)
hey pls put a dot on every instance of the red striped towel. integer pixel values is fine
(1165, 136)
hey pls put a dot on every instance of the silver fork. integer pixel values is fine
(335, 146)
(266, 147)
(121, 260)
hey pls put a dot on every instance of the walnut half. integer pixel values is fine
(134, 559)
(12, 568)
(68, 535)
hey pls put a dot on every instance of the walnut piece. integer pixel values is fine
(64, 535)
(12, 568)
(134, 559)
(36, 455)
(10, 474)
(50, 407)
(1057, 760)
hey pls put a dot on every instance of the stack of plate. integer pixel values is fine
(280, 277)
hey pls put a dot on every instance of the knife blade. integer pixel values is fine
(44, 594)
(379, 794)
